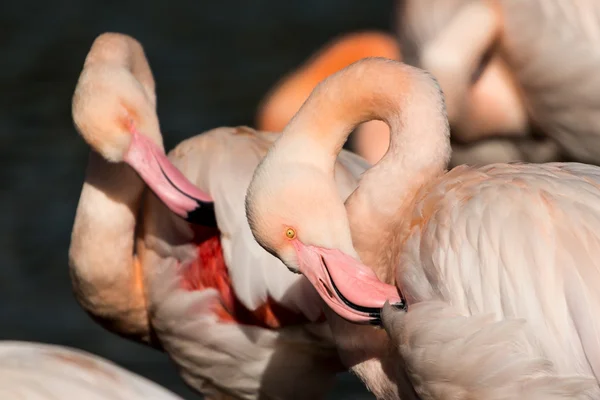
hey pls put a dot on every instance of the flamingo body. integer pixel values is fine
(510, 241)
(35, 371)
(251, 321)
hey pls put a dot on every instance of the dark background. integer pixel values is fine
(212, 61)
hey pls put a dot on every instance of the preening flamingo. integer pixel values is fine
(207, 293)
(35, 371)
(284, 100)
(511, 68)
(515, 241)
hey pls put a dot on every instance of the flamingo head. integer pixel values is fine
(114, 110)
(296, 213)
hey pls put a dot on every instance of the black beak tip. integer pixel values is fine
(375, 318)
(203, 214)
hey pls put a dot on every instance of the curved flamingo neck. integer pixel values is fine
(105, 272)
(409, 101)
(115, 88)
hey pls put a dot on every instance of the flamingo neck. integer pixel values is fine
(410, 102)
(103, 235)
(106, 275)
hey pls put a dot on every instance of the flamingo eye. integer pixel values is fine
(290, 233)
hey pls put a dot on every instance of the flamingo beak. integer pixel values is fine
(168, 183)
(349, 288)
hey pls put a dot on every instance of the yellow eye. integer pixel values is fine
(290, 233)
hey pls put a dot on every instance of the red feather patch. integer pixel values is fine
(209, 271)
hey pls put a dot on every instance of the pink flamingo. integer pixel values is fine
(511, 240)
(205, 292)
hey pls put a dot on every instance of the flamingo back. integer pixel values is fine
(518, 241)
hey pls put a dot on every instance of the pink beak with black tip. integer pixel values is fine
(349, 288)
(168, 183)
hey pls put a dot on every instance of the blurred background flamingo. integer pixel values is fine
(504, 105)
(504, 70)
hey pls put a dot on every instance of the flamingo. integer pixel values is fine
(36, 371)
(514, 241)
(512, 68)
(177, 268)
(284, 100)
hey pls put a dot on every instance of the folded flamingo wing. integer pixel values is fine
(515, 240)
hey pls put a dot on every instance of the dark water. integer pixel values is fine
(213, 61)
